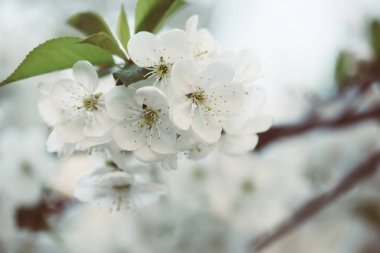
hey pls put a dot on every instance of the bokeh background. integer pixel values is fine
(218, 204)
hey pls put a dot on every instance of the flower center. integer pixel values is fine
(161, 71)
(90, 103)
(150, 116)
(198, 97)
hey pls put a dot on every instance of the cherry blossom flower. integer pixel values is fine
(202, 43)
(204, 100)
(80, 104)
(144, 126)
(117, 190)
(247, 72)
(25, 166)
(241, 129)
(158, 54)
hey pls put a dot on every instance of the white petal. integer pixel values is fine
(170, 163)
(145, 154)
(239, 144)
(71, 131)
(152, 97)
(255, 97)
(192, 24)
(115, 178)
(174, 45)
(98, 124)
(206, 127)
(120, 103)
(86, 189)
(143, 49)
(145, 194)
(202, 42)
(247, 68)
(54, 142)
(184, 77)
(206, 44)
(216, 74)
(93, 141)
(44, 89)
(200, 151)
(187, 140)
(67, 95)
(226, 99)
(258, 124)
(85, 74)
(49, 112)
(163, 139)
(142, 83)
(117, 155)
(181, 113)
(129, 136)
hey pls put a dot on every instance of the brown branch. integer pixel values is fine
(279, 132)
(311, 208)
(35, 218)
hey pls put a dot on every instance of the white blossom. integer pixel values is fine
(204, 99)
(76, 108)
(159, 53)
(241, 129)
(144, 126)
(202, 43)
(25, 166)
(117, 190)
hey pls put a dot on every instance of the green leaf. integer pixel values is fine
(176, 6)
(122, 28)
(89, 23)
(150, 15)
(58, 54)
(130, 74)
(375, 37)
(103, 40)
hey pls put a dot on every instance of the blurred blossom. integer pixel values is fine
(7, 224)
(25, 165)
(332, 153)
(29, 242)
(215, 203)
(118, 190)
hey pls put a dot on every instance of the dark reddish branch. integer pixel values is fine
(311, 208)
(35, 218)
(348, 119)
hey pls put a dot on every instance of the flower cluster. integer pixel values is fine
(192, 98)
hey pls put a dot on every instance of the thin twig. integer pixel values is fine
(347, 119)
(357, 175)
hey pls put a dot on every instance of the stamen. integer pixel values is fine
(90, 103)
(160, 71)
(201, 54)
(198, 97)
(150, 117)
